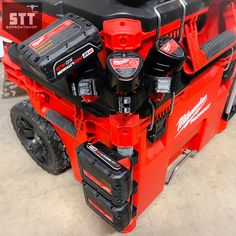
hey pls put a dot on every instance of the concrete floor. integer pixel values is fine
(201, 200)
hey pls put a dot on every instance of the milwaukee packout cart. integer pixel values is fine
(118, 90)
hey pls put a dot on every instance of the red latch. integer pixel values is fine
(122, 34)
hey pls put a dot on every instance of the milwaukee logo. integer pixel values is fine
(193, 115)
(167, 48)
(38, 41)
(170, 47)
(118, 62)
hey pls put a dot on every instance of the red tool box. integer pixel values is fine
(120, 92)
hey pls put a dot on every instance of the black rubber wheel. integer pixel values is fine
(39, 138)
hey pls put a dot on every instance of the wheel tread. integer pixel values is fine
(60, 156)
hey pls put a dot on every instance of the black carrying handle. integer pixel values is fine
(218, 44)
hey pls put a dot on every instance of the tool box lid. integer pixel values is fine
(98, 11)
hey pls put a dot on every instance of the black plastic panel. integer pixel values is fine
(61, 121)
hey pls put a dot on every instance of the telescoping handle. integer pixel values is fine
(211, 50)
(218, 44)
